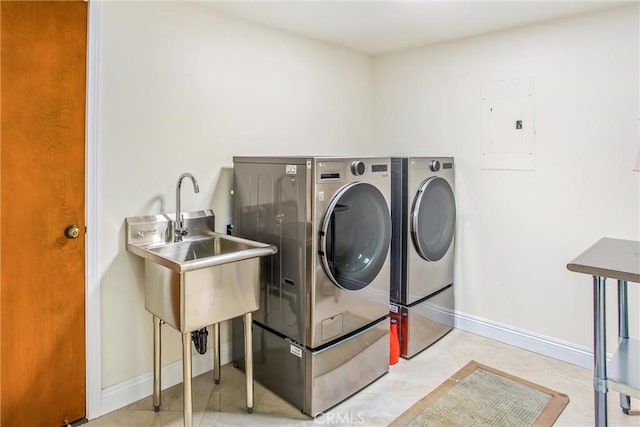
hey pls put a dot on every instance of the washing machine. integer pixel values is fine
(423, 210)
(322, 330)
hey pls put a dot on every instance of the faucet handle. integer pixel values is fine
(178, 234)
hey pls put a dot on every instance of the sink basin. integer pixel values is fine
(197, 249)
(204, 279)
(198, 252)
(150, 238)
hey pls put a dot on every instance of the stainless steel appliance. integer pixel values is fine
(423, 211)
(322, 330)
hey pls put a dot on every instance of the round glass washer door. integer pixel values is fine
(433, 218)
(355, 235)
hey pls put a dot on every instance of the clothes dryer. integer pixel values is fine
(423, 211)
(322, 330)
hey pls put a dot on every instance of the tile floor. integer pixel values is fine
(382, 401)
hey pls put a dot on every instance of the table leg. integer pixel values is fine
(623, 332)
(186, 379)
(248, 358)
(156, 363)
(599, 351)
(216, 353)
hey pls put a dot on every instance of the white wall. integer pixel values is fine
(517, 231)
(181, 90)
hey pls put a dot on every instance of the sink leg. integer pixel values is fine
(156, 363)
(186, 378)
(248, 357)
(216, 353)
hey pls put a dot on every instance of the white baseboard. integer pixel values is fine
(124, 393)
(541, 344)
(127, 392)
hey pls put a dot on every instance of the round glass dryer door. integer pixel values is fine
(433, 218)
(355, 236)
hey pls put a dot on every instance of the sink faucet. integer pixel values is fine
(180, 230)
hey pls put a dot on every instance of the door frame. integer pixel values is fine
(92, 186)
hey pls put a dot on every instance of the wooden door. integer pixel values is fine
(42, 288)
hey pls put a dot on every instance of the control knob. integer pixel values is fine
(358, 168)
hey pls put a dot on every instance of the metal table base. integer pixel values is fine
(600, 338)
(615, 259)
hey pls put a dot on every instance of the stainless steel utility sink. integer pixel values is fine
(204, 279)
(200, 280)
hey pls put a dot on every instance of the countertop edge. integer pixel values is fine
(604, 272)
